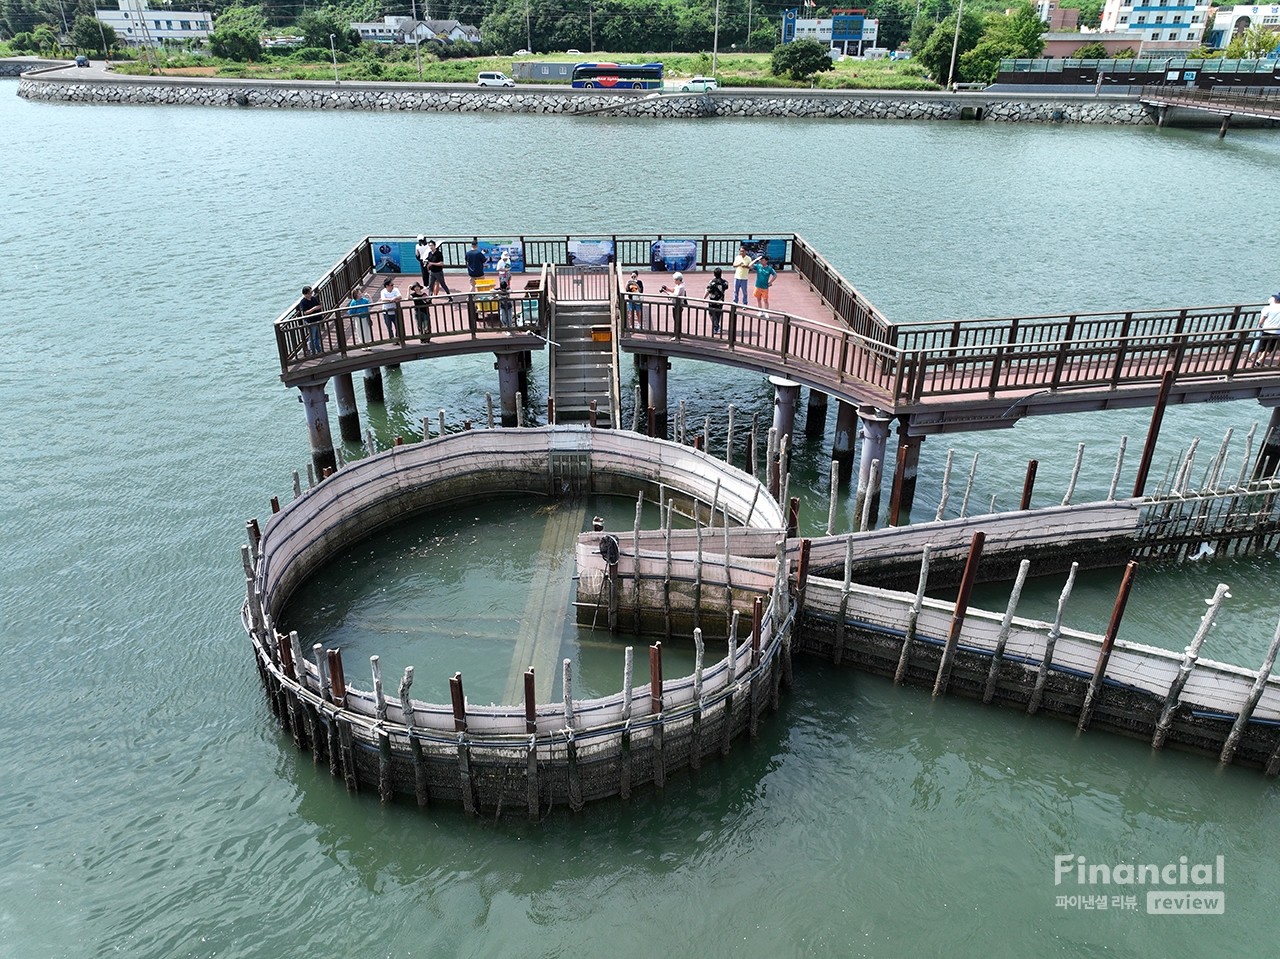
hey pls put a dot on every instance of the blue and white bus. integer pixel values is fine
(625, 76)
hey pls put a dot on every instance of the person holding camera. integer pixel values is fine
(678, 297)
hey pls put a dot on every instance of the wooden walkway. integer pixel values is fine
(942, 376)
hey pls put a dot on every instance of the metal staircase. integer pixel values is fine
(584, 358)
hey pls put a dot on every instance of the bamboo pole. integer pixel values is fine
(835, 495)
(1115, 477)
(946, 485)
(913, 615)
(1075, 475)
(993, 673)
(1189, 657)
(1052, 638)
(968, 487)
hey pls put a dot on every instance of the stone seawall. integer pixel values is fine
(426, 98)
(20, 65)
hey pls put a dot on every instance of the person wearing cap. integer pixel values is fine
(741, 271)
(635, 287)
(678, 296)
(715, 298)
(435, 269)
(421, 251)
(505, 307)
(1268, 335)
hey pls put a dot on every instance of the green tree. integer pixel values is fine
(1259, 41)
(1090, 11)
(237, 34)
(799, 59)
(88, 34)
(1091, 51)
(763, 38)
(318, 24)
(46, 38)
(1127, 53)
(935, 55)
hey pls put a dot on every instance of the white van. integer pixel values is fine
(494, 80)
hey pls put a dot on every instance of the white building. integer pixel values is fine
(1157, 21)
(408, 30)
(136, 23)
(1233, 21)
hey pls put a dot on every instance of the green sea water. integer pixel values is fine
(150, 806)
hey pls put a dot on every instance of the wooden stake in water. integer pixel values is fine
(441, 415)
(873, 484)
(520, 410)
(628, 673)
(728, 441)
(635, 414)
(488, 410)
(1189, 657)
(946, 486)
(1050, 640)
(968, 487)
(1248, 454)
(837, 651)
(568, 693)
(311, 474)
(379, 698)
(1108, 643)
(369, 447)
(1075, 475)
(1251, 702)
(913, 615)
(1220, 461)
(967, 579)
(635, 579)
(835, 496)
(993, 673)
(1115, 477)
(706, 434)
(751, 445)
(684, 437)
(297, 485)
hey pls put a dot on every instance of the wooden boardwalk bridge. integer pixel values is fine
(1226, 102)
(933, 376)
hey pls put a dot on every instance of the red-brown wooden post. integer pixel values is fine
(1029, 484)
(793, 516)
(275, 504)
(459, 703)
(593, 414)
(655, 678)
(1108, 641)
(802, 575)
(530, 703)
(958, 614)
(1153, 433)
(651, 422)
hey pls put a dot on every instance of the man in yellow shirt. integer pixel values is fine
(741, 271)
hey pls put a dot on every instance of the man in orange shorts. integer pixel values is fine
(764, 276)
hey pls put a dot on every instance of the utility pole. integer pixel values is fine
(715, 41)
(334, 51)
(955, 45)
(528, 29)
(591, 25)
(748, 21)
(417, 39)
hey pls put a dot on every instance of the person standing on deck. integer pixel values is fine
(504, 267)
(678, 297)
(764, 276)
(741, 271)
(309, 304)
(421, 251)
(390, 298)
(715, 299)
(435, 269)
(1268, 335)
(505, 307)
(475, 264)
(421, 310)
(635, 287)
(358, 310)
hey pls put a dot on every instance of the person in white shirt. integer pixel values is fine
(422, 251)
(678, 296)
(390, 298)
(1268, 335)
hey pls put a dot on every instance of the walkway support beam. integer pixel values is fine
(875, 435)
(842, 449)
(508, 367)
(786, 396)
(344, 392)
(315, 403)
(656, 373)
(904, 474)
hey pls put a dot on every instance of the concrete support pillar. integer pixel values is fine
(1269, 451)
(875, 434)
(904, 475)
(315, 403)
(348, 416)
(509, 369)
(786, 394)
(815, 420)
(656, 376)
(846, 429)
(373, 385)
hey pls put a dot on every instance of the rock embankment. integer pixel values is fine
(307, 95)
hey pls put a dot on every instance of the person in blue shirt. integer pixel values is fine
(475, 263)
(358, 310)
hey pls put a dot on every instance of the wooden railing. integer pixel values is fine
(981, 360)
(339, 331)
(839, 294)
